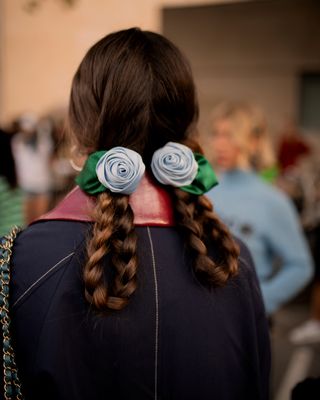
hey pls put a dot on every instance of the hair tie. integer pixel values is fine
(176, 165)
(118, 169)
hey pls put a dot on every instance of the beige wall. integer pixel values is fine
(236, 52)
(40, 51)
(253, 51)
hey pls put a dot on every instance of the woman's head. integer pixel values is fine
(135, 89)
(240, 138)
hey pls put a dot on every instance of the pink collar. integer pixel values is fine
(151, 204)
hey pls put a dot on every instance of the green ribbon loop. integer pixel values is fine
(87, 179)
(205, 179)
(203, 182)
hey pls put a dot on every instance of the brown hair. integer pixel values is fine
(135, 89)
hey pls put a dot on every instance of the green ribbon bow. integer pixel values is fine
(87, 179)
(205, 179)
(203, 182)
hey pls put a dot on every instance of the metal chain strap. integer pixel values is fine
(12, 386)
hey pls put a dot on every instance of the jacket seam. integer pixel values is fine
(41, 278)
(157, 314)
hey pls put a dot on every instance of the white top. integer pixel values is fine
(33, 163)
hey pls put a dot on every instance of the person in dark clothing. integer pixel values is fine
(11, 197)
(309, 389)
(132, 287)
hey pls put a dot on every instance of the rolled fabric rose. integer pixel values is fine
(120, 170)
(174, 164)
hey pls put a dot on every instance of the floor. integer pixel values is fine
(291, 364)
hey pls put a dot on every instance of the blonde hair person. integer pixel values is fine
(261, 215)
(249, 128)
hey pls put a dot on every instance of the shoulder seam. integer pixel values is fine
(42, 277)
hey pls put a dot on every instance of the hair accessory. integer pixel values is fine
(175, 164)
(118, 169)
(205, 179)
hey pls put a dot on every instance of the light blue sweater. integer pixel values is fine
(264, 218)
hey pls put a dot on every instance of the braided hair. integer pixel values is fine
(135, 89)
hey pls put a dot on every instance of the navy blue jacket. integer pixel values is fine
(175, 339)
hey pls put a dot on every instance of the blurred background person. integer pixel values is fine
(11, 199)
(302, 183)
(258, 213)
(261, 154)
(292, 147)
(63, 170)
(32, 148)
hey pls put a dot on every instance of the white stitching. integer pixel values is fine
(157, 316)
(41, 277)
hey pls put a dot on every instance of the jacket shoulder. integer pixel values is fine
(40, 251)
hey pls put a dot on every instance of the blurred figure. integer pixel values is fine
(11, 198)
(292, 147)
(258, 213)
(62, 166)
(304, 180)
(32, 148)
(292, 151)
(261, 155)
(308, 389)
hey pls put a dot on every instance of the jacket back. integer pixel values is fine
(175, 340)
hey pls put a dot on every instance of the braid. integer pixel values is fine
(124, 254)
(113, 231)
(197, 220)
(228, 249)
(95, 290)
